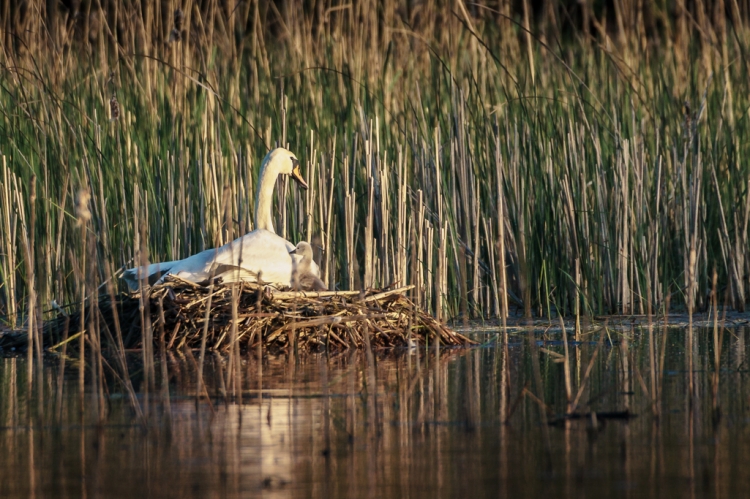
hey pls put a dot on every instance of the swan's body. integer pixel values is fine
(304, 274)
(260, 255)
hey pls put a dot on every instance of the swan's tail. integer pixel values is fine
(152, 273)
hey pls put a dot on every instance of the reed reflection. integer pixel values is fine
(425, 423)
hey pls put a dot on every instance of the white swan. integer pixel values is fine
(258, 253)
(303, 277)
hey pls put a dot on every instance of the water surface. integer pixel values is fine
(478, 422)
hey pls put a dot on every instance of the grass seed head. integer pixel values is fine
(178, 18)
(176, 34)
(82, 207)
(114, 108)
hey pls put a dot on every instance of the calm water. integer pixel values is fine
(419, 424)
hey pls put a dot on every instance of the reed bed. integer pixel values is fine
(187, 315)
(498, 160)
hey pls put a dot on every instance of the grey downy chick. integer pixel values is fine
(305, 279)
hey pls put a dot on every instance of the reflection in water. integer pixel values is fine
(426, 424)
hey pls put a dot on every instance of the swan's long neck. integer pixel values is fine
(264, 200)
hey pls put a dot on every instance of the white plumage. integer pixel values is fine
(258, 253)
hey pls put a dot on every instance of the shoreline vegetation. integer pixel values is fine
(562, 161)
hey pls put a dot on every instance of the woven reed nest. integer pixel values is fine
(177, 314)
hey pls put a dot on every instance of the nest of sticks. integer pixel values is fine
(178, 314)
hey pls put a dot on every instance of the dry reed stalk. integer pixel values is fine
(419, 261)
(430, 304)
(476, 250)
(27, 241)
(311, 193)
(498, 307)
(403, 223)
(441, 289)
(690, 335)
(9, 238)
(349, 214)
(83, 215)
(369, 239)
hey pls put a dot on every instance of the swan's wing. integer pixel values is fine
(261, 252)
(195, 268)
(233, 273)
(258, 253)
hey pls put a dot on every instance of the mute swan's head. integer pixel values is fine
(283, 162)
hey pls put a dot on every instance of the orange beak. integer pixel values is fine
(297, 174)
